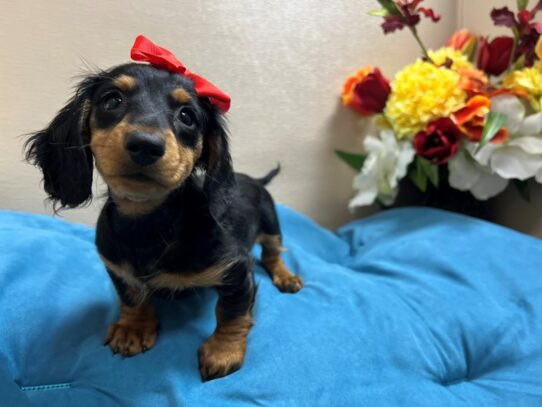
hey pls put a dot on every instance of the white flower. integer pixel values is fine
(386, 163)
(467, 175)
(487, 172)
(521, 156)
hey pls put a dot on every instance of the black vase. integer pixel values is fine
(444, 197)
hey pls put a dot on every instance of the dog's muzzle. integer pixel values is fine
(145, 148)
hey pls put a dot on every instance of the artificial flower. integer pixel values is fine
(472, 81)
(465, 174)
(525, 28)
(403, 13)
(421, 93)
(528, 80)
(450, 58)
(439, 142)
(504, 17)
(471, 119)
(366, 91)
(494, 57)
(386, 163)
(486, 173)
(520, 157)
(463, 41)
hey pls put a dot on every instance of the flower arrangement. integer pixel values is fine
(473, 107)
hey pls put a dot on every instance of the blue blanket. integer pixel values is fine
(411, 307)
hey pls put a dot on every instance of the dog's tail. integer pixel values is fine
(267, 179)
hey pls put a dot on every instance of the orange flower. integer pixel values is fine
(472, 81)
(366, 92)
(463, 41)
(515, 92)
(471, 119)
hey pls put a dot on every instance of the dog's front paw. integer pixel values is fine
(131, 338)
(288, 283)
(219, 358)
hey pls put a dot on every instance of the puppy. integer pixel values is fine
(176, 215)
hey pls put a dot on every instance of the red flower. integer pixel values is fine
(524, 26)
(405, 13)
(367, 91)
(494, 56)
(439, 142)
(523, 23)
(503, 17)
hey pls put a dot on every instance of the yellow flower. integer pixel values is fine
(421, 93)
(527, 80)
(459, 59)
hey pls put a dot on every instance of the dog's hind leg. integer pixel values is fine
(271, 240)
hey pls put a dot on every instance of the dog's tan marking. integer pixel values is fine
(282, 278)
(181, 95)
(210, 277)
(124, 271)
(134, 209)
(125, 82)
(224, 351)
(136, 195)
(135, 331)
(136, 290)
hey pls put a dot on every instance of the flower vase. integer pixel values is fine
(444, 197)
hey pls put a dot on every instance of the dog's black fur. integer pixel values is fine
(211, 217)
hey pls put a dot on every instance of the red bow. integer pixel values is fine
(147, 51)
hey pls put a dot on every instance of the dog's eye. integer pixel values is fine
(112, 101)
(187, 116)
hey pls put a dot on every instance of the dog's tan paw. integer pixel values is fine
(219, 358)
(288, 283)
(129, 339)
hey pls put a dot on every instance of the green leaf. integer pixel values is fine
(494, 122)
(430, 170)
(519, 64)
(418, 176)
(390, 7)
(522, 4)
(353, 160)
(379, 13)
(470, 50)
(523, 189)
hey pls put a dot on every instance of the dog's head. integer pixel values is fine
(146, 130)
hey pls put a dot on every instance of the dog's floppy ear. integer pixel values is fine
(216, 158)
(62, 150)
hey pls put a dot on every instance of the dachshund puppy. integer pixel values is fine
(176, 215)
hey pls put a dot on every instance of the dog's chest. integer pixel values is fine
(169, 253)
(171, 280)
(168, 262)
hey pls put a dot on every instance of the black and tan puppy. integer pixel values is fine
(176, 215)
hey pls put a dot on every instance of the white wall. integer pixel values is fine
(282, 61)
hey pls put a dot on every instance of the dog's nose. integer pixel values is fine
(145, 148)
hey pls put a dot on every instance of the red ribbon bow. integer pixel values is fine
(145, 50)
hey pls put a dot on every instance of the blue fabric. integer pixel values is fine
(411, 307)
